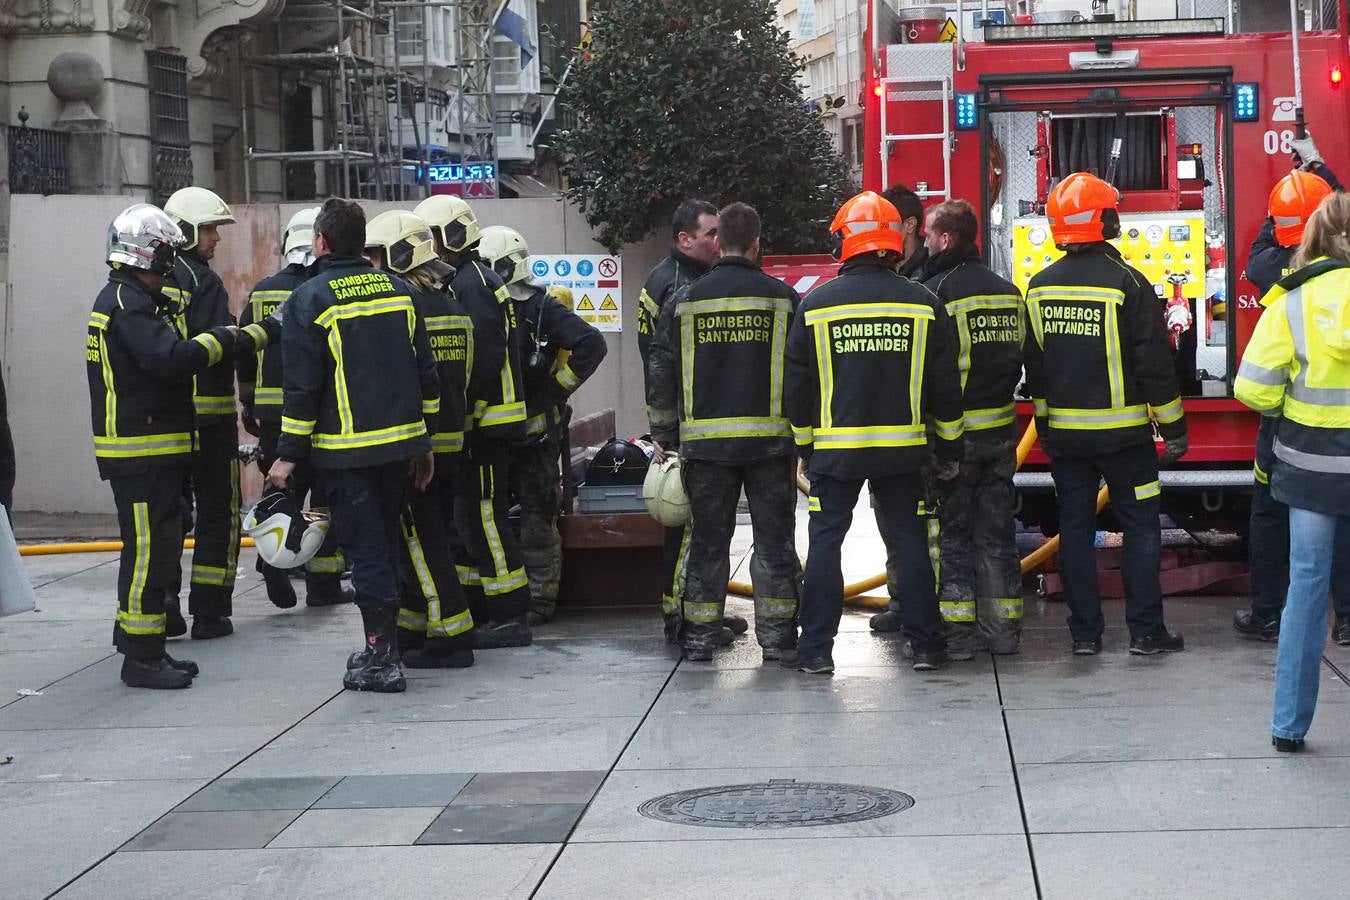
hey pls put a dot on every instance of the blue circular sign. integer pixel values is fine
(562, 267)
(540, 268)
(585, 268)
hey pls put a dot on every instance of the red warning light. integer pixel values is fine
(876, 91)
(1336, 76)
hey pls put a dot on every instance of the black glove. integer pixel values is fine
(1174, 449)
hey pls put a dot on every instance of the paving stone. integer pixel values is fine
(233, 830)
(111, 754)
(357, 827)
(523, 788)
(390, 791)
(257, 793)
(524, 824)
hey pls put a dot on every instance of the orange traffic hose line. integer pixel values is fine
(96, 547)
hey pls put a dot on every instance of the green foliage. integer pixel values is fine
(696, 98)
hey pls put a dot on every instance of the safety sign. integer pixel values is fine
(596, 282)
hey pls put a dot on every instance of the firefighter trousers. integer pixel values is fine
(366, 505)
(433, 603)
(492, 572)
(674, 567)
(714, 489)
(831, 504)
(926, 510)
(149, 517)
(323, 573)
(536, 485)
(1132, 476)
(980, 576)
(215, 488)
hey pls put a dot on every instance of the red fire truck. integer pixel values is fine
(1199, 112)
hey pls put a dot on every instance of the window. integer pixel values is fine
(170, 141)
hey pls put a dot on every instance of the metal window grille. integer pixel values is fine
(37, 159)
(169, 136)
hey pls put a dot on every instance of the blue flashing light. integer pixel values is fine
(967, 112)
(1246, 102)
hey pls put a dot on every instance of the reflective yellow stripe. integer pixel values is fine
(984, 301)
(146, 624)
(813, 504)
(1062, 292)
(440, 323)
(567, 379)
(425, 583)
(456, 624)
(775, 607)
(1147, 491)
(326, 565)
(1040, 407)
(1250, 371)
(986, 419)
(432, 406)
(803, 435)
(514, 580)
(854, 438)
(703, 613)
(957, 610)
(214, 576)
(447, 442)
(109, 386)
(140, 572)
(360, 308)
(1008, 607)
(299, 427)
(649, 305)
(258, 333)
(468, 576)
(950, 431)
(1115, 367)
(536, 424)
(501, 414)
(214, 352)
(146, 445)
(917, 358)
(1169, 412)
(1098, 419)
(1260, 474)
(344, 401)
(98, 320)
(266, 396)
(374, 438)
(735, 427)
(214, 405)
(869, 311)
(411, 620)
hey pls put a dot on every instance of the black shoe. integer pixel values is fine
(182, 665)
(381, 672)
(929, 660)
(358, 660)
(279, 588)
(775, 653)
(506, 633)
(383, 679)
(885, 621)
(1249, 626)
(325, 597)
(1287, 745)
(811, 665)
(174, 623)
(1087, 648)
(205, 628)
(1164, 641)
(155, 674)
(428, 657)
(737, 624)
(1342, 631)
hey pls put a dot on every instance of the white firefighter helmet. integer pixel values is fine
(298, 238)
(404, 240)
(506, 252)
(193, 207)
(143, 237)
(452, 220)
(663, 491)
(285, 536)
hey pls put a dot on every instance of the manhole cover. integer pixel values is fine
(780, 803)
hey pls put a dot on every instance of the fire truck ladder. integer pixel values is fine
(924, 88)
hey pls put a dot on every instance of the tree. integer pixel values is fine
(695, 98)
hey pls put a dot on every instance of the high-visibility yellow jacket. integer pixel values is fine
(1297, 366)
(260, 375)
(1099, 360)
(202, 305)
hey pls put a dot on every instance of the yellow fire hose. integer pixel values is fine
(855, 594)
(96, 547)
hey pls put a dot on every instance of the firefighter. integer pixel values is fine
(1098, 370)
(914, 262)
(979, 575)
(360, 396)
(140, 389)
(203, 304)
(1292, 202)
(260, 401)
(716, 376)
(693, 251)
(491, 569)
(435, 627)
(871, 361)
(548, 328)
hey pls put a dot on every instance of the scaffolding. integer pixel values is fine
(371, 90)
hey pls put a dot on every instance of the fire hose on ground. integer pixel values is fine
(855, 594)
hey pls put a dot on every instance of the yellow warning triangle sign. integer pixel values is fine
(586, 302)
(948, 33)
(608, 302)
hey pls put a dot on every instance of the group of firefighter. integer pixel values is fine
(406, 373)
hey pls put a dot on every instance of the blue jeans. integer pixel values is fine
(1303, 625)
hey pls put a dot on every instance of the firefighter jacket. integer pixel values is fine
(202, 304)
(140, 377)
(546, 328)
(716, 369)
(260, 374)
(497, 400)
(990, 322)
(1100, 357)
(1268, 262)
(670, 274)
(871, 360)
(450, 333)
(1297, 366)
(359, 381)
(917, 267)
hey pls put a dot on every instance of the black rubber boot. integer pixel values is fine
(381, 672)
(205, 628)
(182, 665)
(439, 653)
(174, 623)
(505, 633)
(886, 622)
(672, 627)
(279, 589)
(155, 674)
(737, 624)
